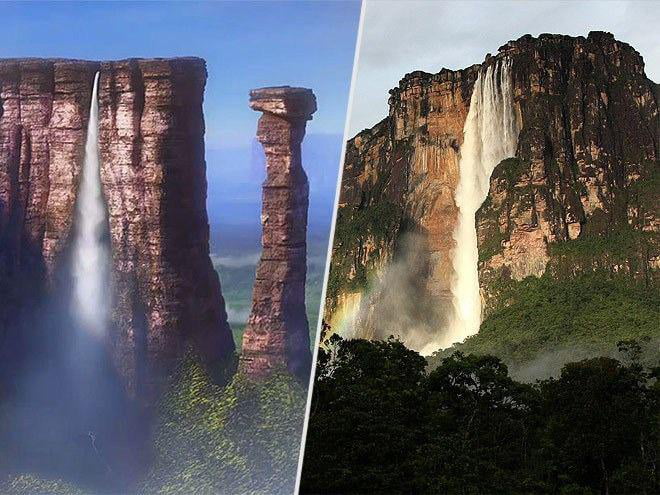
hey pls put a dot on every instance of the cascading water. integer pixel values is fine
(490, 135)
(90, 261)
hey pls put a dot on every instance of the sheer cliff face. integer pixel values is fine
(588, 146)
(151, 139)
(400, 176)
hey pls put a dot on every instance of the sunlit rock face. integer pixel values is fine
(409, 162)
(151, 140)
(588, 140)
(587, 151)
(277, 333)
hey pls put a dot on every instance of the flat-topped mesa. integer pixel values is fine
(153, 174)
(284, 101)
(588, 142)
(277, 333)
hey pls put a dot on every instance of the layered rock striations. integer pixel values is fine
(586, 163)
(151, 140)
(587, 157)
(277, 333)
(400, 177)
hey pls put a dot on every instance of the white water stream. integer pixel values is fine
(90, 262)
(490, 135)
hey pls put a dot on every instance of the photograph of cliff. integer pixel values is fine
(164, 224)
(492, 314)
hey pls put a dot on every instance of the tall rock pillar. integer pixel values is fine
(277, 333)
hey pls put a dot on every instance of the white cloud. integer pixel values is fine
(236, 261)
(237, 314)
(399, 37)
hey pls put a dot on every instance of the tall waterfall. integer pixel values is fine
(490, 134)
(90, 262)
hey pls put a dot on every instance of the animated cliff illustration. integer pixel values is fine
(105, 244)
(152, 174)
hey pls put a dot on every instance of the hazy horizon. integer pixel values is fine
(235, 175)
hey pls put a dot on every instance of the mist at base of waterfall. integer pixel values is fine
(64, 413)
(397, 302)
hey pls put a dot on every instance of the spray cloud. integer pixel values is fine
(398, 303)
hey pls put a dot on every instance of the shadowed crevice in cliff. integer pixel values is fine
(141, 329)
(22, 267)
(138, 83)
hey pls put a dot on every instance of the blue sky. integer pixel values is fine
(246, 45)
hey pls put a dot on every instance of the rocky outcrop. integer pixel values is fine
(151, 140)
(587, 157)
(586, 163)
(400, 176)
(277, 333)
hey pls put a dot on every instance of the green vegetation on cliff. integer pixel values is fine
(508, 172)
(234, 439)
(623, 252)
(29, 484)
(597, 290)
(208, 439)
(554, 320)
(360, 235)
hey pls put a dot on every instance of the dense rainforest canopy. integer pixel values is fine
(380, 423)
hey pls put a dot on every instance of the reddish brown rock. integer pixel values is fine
(277, 334)
(586, 150)
(151, 139)
(44, 106)
(400, 176)
(586, 161)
